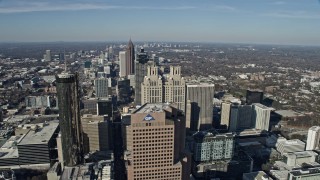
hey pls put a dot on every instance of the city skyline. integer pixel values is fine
(247, 21)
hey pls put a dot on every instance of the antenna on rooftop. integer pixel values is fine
(65, 61)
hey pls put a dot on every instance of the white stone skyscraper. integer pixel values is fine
(313, 138)
(174, 88)
(151, 87)
(122, 64)
(225, 114)
(261, 115)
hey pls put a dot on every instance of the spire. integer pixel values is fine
(65, 61)
(130, 42)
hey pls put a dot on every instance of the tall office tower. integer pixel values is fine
(69, 118)
(313, 138)
(141, 64)
(123, 91)
(254, 96)
(152, 141)
(201, 99)
(225, 114)
(101, 87)
(261, 116)
(47, 56)
(130, 56)
(123, 64)
(174, 88)
(105, 107)
(211, 146)
(241, 117)
(151, 87)
(96, 133)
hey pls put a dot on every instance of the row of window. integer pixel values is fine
(152, 155)
(152, 159)
(156, 129)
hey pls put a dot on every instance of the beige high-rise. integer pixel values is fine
(151, 87)
(225, 114)
(174, 88)
(96, 133)
(154, 142)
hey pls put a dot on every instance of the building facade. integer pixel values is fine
(130, 57)
(69, 118)
(261, 116)
(254, 96)
(201, 98)
(151, 87)
(225, 114)
(96, 133)
(174, 88)
(101, 87)
(153, 140)
(313, 138)
(141, 64)
(123, 64)
(211, 146)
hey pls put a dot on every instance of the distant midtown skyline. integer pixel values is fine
(246, 21)
(149, 42)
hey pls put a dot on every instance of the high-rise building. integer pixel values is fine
(141, 64)
(225, 114)
(101, 87)
(105, 107)
(96, 133)
(254, 96)
(47, 56)
(211, 146)
(313, 138)
(38, 145)
(151, 87)
(261, 116)
(130, 57)
(123, 90)
(241, 117)
(154, 140)
(123, 64)
(174, 88)
(69, 118)
(201, 99)
(248, 116)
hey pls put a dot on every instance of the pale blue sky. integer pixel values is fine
(235, 21)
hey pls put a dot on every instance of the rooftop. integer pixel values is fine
(152, 107)
(287, 113)
(315, 128)
(259, 175)
(301, 154)
(199, 84)
(41, 135)
(262, 106)
(65, 75)
(305, 171)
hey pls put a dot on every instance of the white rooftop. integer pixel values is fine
(152, 107)
(41, 135)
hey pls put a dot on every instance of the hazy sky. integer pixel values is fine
(244, 21)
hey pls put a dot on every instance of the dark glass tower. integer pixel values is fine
(130, 58)
(254, 96)
(140, 72)
(69, 115)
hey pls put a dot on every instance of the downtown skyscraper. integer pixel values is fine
(130, 57)
(141, 65)
(154, 142)
(69, 119)
(200, 97)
